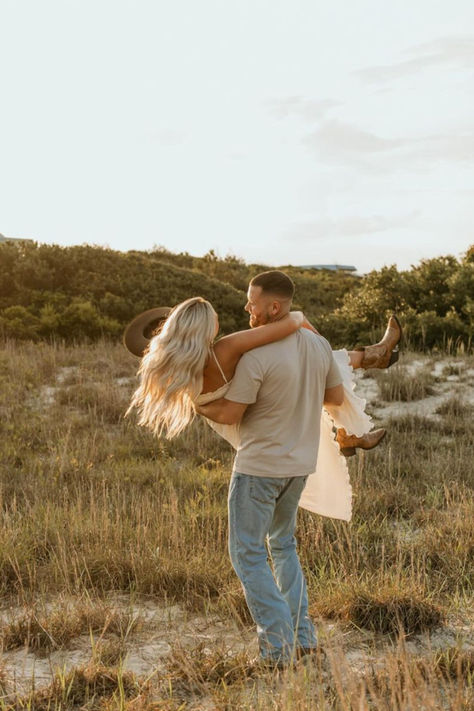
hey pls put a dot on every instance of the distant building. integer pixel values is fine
(330, 267)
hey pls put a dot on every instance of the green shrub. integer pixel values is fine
(85, 293)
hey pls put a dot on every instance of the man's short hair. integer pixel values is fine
(276, 283)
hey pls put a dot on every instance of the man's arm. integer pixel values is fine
(225, 412)
(334, 392)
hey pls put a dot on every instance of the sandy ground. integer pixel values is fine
(459, 384)
(161, 628)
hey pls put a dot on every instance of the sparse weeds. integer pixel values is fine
(107, 402)
(455, 663)
(446, 546)
(43, 631)
(3, 680)
(454, 369)
(109, 652)
(93, 687)
(397, 385)
(455, 407)
(404, 682)
(231, 603)
(199, 665)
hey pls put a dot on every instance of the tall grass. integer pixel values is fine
(93, 504)
(396, 385)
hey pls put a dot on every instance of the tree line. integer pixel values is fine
(88, 292)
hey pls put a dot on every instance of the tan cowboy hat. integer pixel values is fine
(140, 331)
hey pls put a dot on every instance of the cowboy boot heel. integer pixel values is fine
(394, 357)
(348, 451)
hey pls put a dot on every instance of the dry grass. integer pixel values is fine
(194, 668)
(382, 609)
(397, 683)
(53, 629)
(3, 681)
(456, 368)
(92, 687)
(93, 504)
(396, 385)
(455, 663)
(109, 652)
(455, 407)
(414, 683)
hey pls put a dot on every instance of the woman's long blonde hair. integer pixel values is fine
(172, 367)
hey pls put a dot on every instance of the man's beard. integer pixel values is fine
(262, 320)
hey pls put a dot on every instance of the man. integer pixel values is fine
(276, 394)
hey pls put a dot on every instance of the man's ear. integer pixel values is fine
(275, 308)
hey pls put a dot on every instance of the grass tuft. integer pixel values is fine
(109, 652)
(396, 385)
(392, 614)
(455, 407)
(386, 611)
(46, 631)
(87, 686)
(198, 666)
(231, 603)
(455, 663)
(454, 369)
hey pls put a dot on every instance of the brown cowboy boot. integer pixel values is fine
(384, 353)
(348, 443)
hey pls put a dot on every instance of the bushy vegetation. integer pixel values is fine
(86, 292)
(434, 300)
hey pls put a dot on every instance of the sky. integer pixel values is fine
(278, 131)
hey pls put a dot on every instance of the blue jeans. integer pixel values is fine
(264, 509)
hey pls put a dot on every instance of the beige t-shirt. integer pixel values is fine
(284, 384)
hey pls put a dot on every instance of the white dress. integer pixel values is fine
(328, 490)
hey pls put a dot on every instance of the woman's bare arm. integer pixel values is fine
(309, 326)
(242, 341)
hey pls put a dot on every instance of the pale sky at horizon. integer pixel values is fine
(284, 132)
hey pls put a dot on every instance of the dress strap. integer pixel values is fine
(219, 365)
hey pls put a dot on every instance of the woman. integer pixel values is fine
(183, 368)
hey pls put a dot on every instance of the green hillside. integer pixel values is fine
(86, 292)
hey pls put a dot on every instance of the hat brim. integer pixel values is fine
(141, 330)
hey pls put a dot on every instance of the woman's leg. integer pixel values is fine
(384, 353)
(356, 358)
(354, 426)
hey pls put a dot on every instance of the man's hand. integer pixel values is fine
(225, 412)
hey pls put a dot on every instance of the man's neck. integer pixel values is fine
(279, 316)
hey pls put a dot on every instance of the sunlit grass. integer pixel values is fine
(396, 385)
(93, 505)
